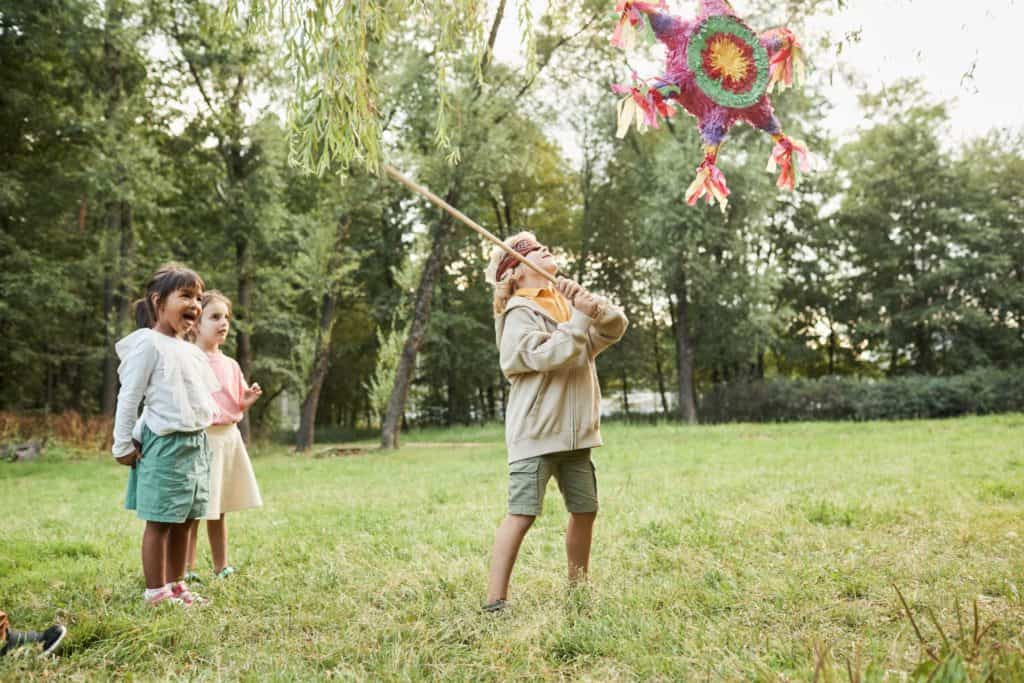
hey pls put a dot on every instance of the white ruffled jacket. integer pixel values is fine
(174, 380)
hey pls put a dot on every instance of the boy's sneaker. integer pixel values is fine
(496, 606)
(161, 596)
(187, 597)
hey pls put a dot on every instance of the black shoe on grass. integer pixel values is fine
(50, 639)
(496, 606)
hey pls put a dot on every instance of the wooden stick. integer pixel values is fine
(394, 173)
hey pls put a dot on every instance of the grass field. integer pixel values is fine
(747, 552)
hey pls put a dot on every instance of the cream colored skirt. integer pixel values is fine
(232, 482)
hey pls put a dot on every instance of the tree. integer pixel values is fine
(900, 216)
(990, 268)
(80, 162)
(328, 266)
(227, 70)
(481, 113)
(330, 47)
(123, 172)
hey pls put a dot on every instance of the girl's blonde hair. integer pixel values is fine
(208, 298)
(506, 287)
(216, 295)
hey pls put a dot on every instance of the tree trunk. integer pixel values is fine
(324, 346)
(502, 230)
(925, 353)
(450, 407)
(658, 367)
(507, 203)
(451, 374)
(108, 399)
(242, 309)
(586, 178)
(684, 350)
(123, 295)
(832, 345)
(502, 395)
(625, 392)
(483, 413)
(1019, 272)
(321, 364)
(51, 382)
(116, 297)
(74, 382)
(894, 357)
(113, 282)
(492, 37)
(395, 411)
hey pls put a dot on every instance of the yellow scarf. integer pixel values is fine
(553, 303)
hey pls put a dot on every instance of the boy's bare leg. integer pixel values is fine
(507, 540)
(577, 544)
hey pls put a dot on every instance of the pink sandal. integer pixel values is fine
(165, 595)
(187, 597)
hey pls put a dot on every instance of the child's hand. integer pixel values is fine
(131, 458)
(582, 300)
(568, 288)
(251, 395)
(586, 303)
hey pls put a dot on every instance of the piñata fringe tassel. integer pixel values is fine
(787, 64)
(632, 15)
(710, 184)
(782, 158)
(642, 105)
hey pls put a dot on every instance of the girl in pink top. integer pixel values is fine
(232, 482)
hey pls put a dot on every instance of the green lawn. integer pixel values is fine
(732, 552)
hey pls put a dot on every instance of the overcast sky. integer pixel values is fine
(938, 41)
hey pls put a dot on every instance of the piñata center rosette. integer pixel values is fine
(728, 62)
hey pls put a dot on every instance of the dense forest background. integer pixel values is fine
(891, 284)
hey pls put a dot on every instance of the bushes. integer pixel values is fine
(777, 400)
(94, 433)
(843, 398)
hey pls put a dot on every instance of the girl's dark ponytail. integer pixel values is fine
(144, 317)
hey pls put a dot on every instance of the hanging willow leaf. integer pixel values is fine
(335, 118)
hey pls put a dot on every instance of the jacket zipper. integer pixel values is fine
(572, 386)
(572, 410)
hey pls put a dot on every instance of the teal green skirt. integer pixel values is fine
(171, 483)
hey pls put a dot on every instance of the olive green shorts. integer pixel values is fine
(171, 483)
(574, 471)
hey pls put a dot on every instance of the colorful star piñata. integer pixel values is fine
(721, 72)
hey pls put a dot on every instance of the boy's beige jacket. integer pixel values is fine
(554, 403)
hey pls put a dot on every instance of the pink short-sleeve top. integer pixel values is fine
(232, 387)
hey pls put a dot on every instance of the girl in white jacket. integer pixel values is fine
(166, 447)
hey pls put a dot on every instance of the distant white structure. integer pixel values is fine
(288, 409)
(640, 403)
